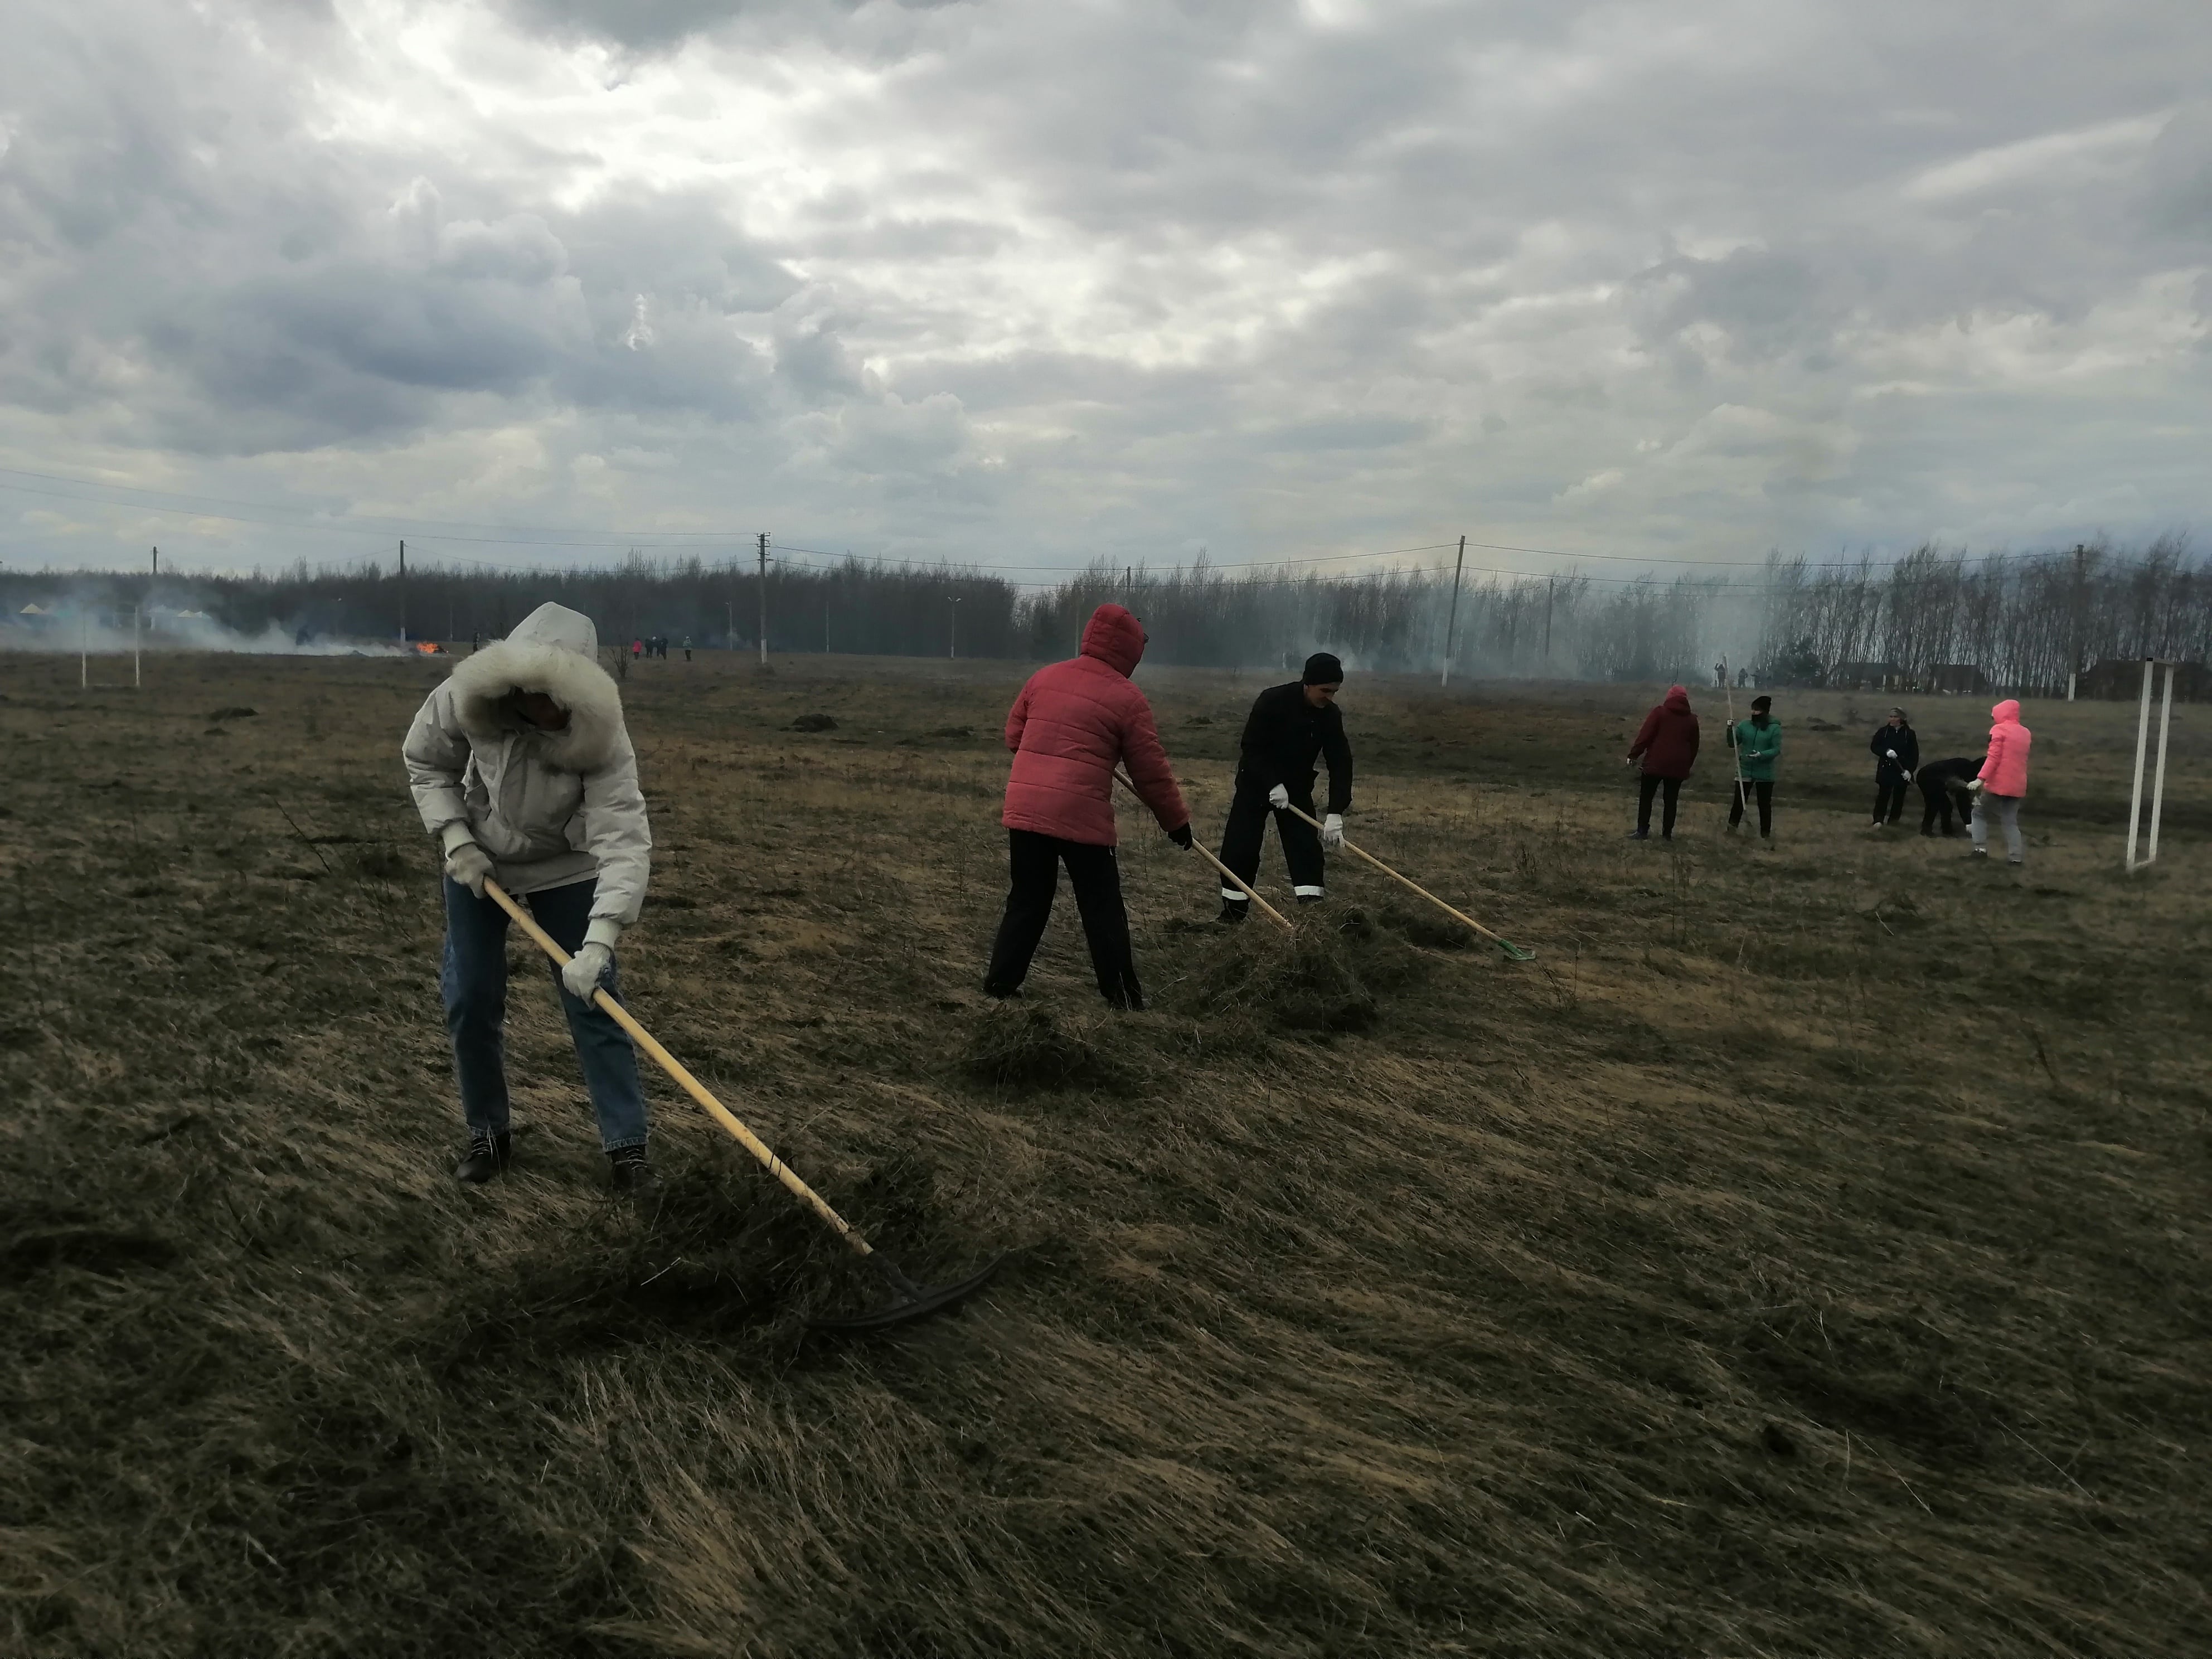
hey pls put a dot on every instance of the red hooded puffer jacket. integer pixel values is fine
(1070, 725)
(1668, 739)
(2005, 771)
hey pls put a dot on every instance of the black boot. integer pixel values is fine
(1234, 909)
(1310, 898)
(630, 1173)
(489, 1153)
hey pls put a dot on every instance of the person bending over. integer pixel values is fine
(522, 767)
(1758, 745)
(1896, 749)
(1943, 791)
(1290, 727)
(1073, 723)
(1667, 744)
(2002, 783)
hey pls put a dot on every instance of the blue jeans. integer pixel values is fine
(474, 983)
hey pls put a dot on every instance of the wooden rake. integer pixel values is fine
(1227, 874)
(908, 1299)
(1513, 952)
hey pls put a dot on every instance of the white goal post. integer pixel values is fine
(2158, 787)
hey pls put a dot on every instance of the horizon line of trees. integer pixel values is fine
(2024, 620)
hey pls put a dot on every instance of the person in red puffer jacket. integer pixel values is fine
(1073, 723)
(1669, 745)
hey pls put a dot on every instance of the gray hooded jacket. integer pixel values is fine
(551, 808)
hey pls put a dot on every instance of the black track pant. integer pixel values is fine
(1651, 785)
(1248, 813)
(1888, 796)
(1763, 790)
(1096, 878)
(1936, 802)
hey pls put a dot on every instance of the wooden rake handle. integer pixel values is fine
(1360, 852)
(1227, 874)
(691, 1085)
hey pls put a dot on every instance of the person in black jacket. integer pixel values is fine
(1943, 786)
(1896, 748)
(1290, 727)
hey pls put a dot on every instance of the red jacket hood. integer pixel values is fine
(1115, 638)
(2006, 712)
(1678, 699)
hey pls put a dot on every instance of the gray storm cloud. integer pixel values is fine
(1033, 282)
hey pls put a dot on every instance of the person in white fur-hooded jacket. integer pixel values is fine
(522, 767)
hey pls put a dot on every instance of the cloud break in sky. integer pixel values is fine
(1026, 283)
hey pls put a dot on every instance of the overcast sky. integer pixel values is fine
(1025, 282)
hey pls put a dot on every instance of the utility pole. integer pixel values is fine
(763, 597)
(403, 590)
(157, 564)
(1452, 622)
(2081, 594)
(1548, 621)
(952, 647)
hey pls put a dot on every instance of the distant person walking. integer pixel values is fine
(636, 649)
(1667, 745)
(1757, 745)
(1289, 729)
(1896, 749)
(687, 647)
(1074, 722)
(2002, 783)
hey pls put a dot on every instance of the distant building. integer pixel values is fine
(1865, 676)
(1957, 679)
(2120, 679)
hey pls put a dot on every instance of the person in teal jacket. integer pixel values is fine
(1758, 745)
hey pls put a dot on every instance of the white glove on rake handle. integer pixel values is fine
(1278, 798)
(1331, 831)
(467, 864)
(581, 974)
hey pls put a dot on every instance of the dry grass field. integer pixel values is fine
(1807, 1254)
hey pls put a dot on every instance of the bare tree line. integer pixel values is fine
(2023, 621)
(2026, 621)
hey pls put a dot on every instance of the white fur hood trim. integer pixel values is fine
(482, 683)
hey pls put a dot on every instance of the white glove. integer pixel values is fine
(469, 863)
(1278, 798)
(1331, 831)
(1974, 785)
(583, 973)
(1893, 754)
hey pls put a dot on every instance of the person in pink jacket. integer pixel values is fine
(2002, 783)
(1073, 723)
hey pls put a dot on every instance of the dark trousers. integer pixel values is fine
(1652, 785)
(1888, 796)
(1249, 812)
(1763, 788)
(1936, 802)
(473, 980)
(1096, 878)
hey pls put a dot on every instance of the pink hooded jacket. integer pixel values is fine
(2005, 771)
(1072, 724)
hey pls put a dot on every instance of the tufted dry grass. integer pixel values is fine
(1806, 1255)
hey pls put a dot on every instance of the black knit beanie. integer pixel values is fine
(1760, 705)
(1322, 668)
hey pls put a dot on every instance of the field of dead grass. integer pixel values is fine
(1806, 1255)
